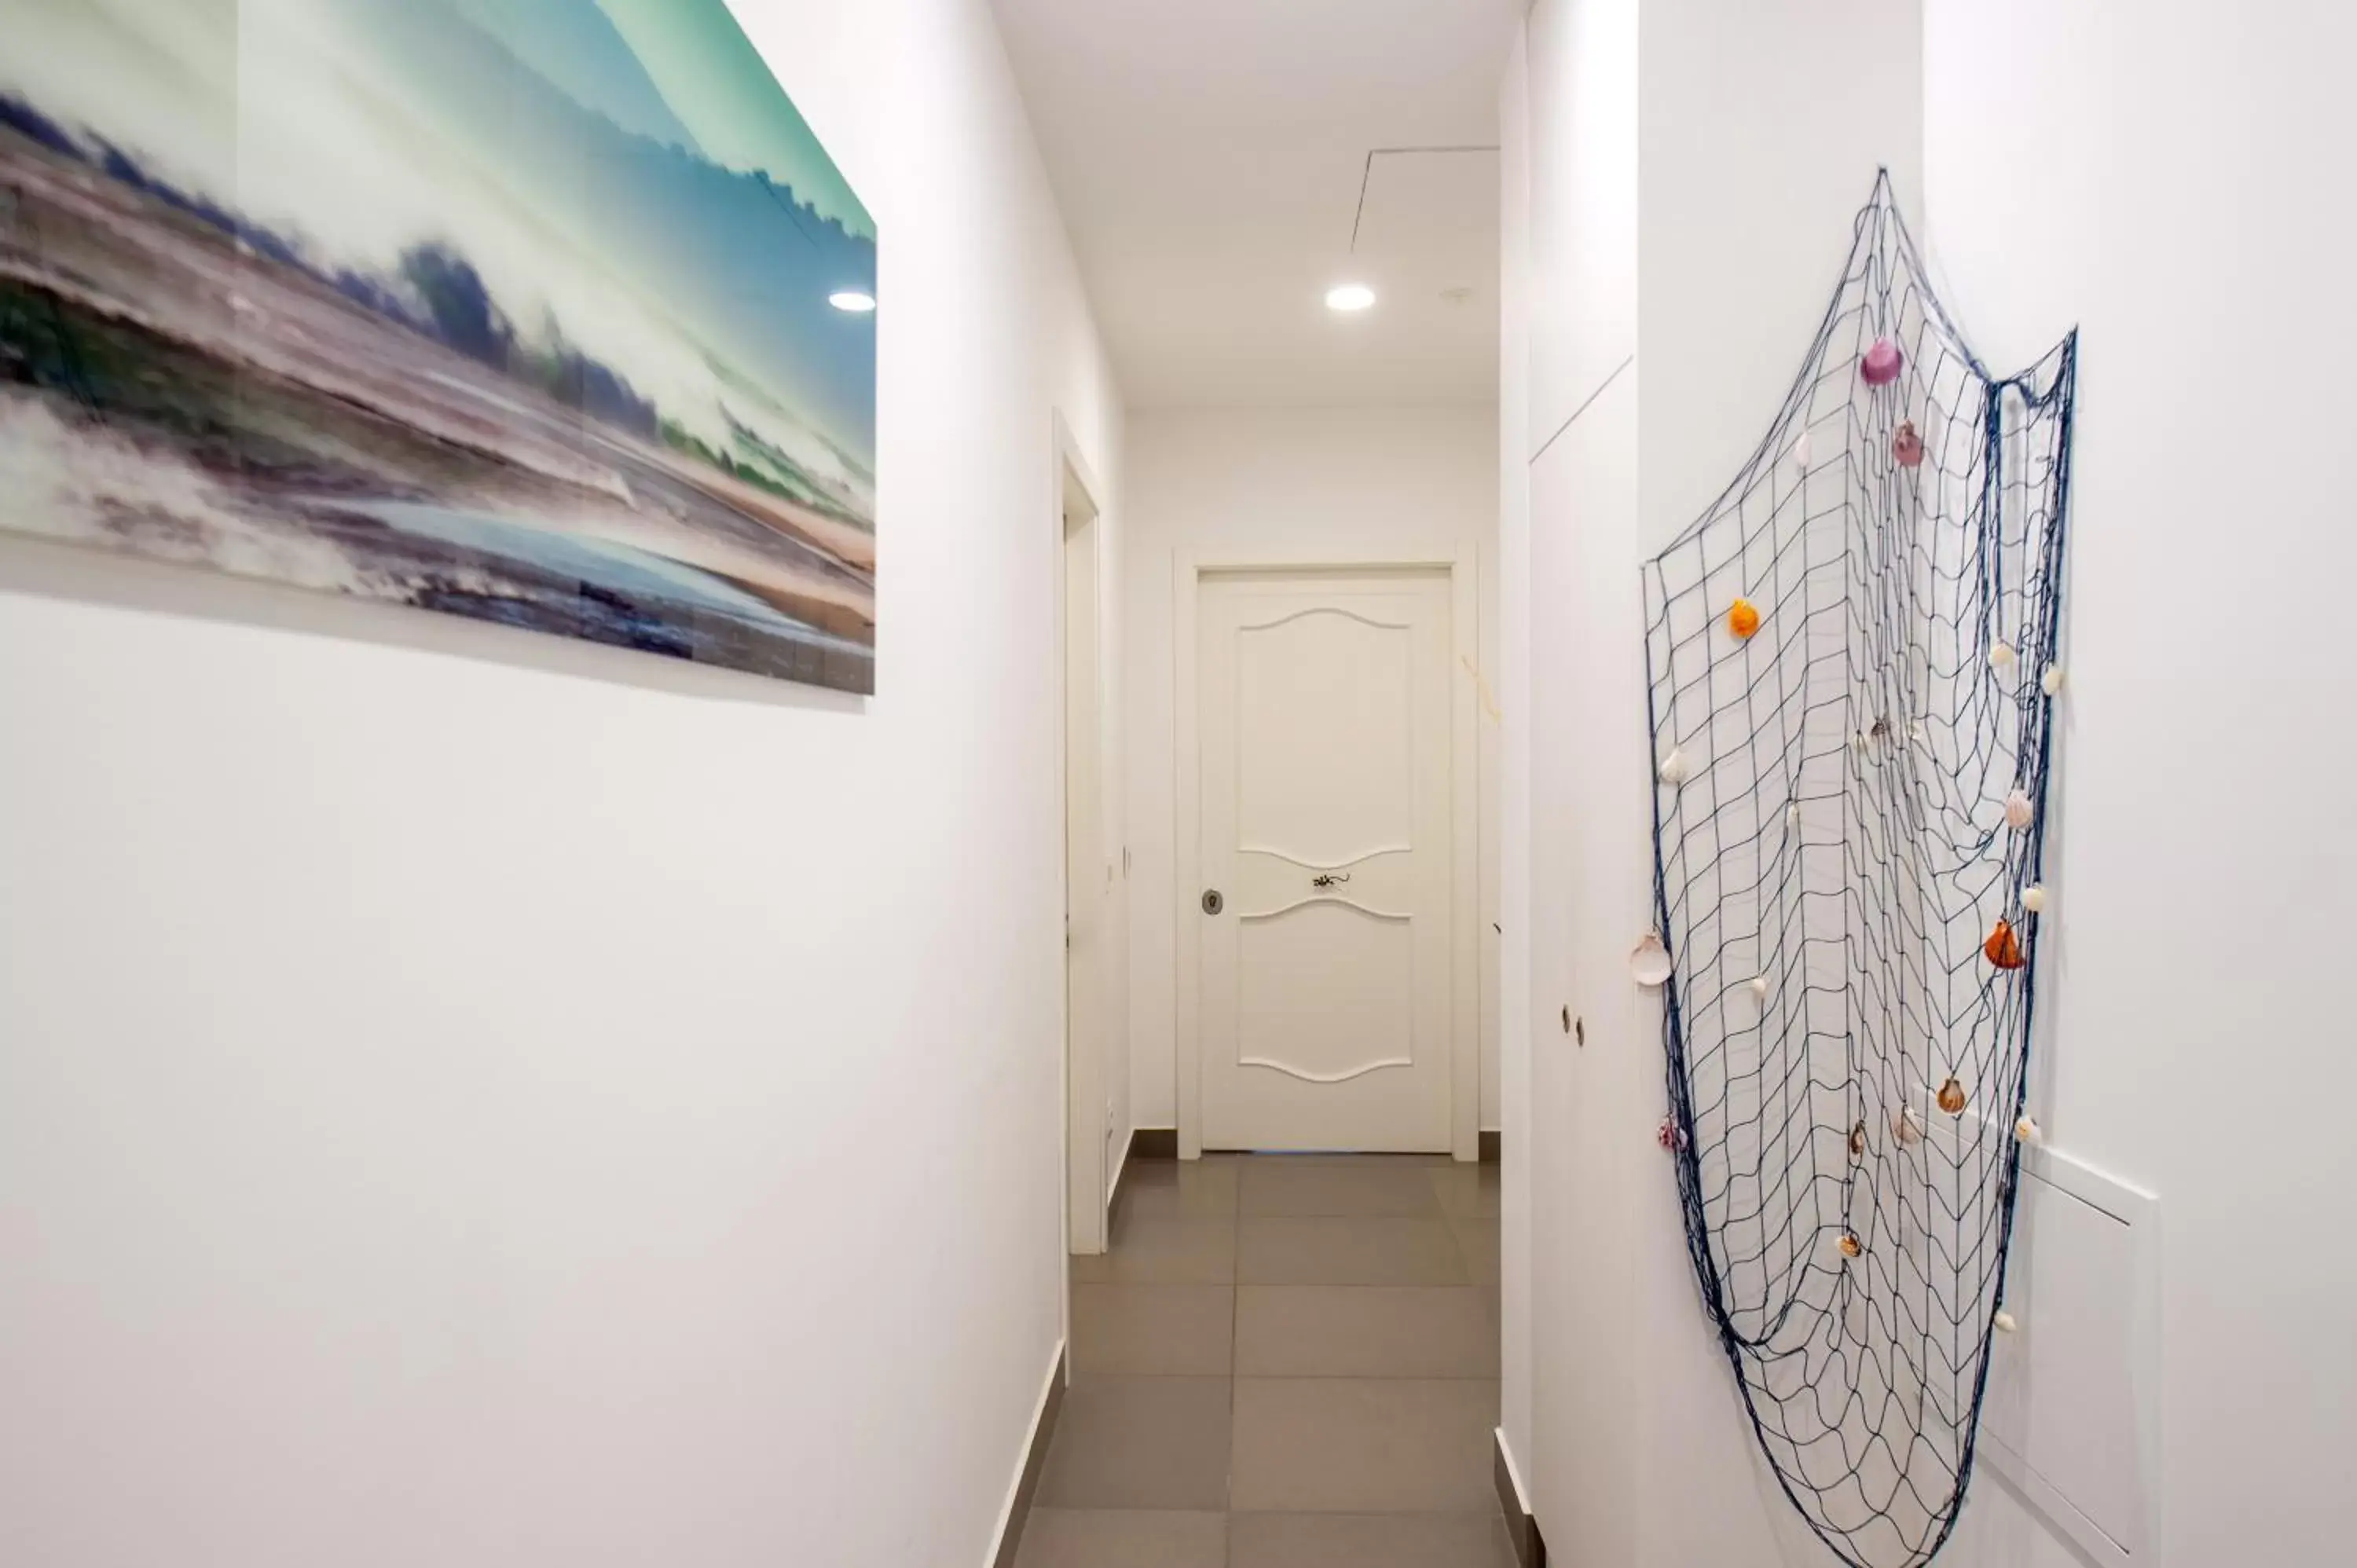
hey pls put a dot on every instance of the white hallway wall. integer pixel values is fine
(469, 1099)
(1691, 172)
(2168, 177)
(1263, 482)
(2155, 177)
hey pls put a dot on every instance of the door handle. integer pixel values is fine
(1330, 878)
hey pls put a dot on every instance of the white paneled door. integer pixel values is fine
(1325, 749)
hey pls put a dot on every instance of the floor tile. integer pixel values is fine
(1154, 1330)
(1140, 1443)
(1469, 1191)
(1283, 1185)
(1363, 1445)
(1478, 1240)
(1174, 1188)
(1369, 1541)
(1150, 1251)
(1091, 1538)
(1364, 1331)
(1386, 1250)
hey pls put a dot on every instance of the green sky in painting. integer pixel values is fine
(716, 83)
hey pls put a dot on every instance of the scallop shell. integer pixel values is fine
(2033, 899)
(2001, 656)
(1858, 1142)
(1907, 447)
(1850, 1245)
(2026, 1130)
(1882, 363)
(1906, 1126)
(1799, 452)
(1952, 1096)
(2050, 680)
(1760, 986)
(1649, 961)
(1675, 769)
(2018, 812)
(2003, 949)
(1743, 619)
(2006, 1323)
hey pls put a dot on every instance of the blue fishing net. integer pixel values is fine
(1852, 664)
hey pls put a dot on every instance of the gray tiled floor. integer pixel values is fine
(1286, 1361)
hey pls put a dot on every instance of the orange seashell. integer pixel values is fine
(1743, 617)
(1908, 446)
(2003, 949)
(1850, 1247)
(1952, 1096)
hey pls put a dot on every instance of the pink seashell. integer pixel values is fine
(1908, 446)
(1882, 363)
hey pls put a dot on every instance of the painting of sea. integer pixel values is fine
(550, 313)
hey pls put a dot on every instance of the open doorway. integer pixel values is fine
(1089, 869)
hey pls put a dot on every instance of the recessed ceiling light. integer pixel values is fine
(1349, 297)
(856, 301)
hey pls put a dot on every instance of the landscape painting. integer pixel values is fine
(550, 313)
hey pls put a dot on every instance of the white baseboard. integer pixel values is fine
(1017, 1508)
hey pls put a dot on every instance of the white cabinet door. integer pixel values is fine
(1324, 749)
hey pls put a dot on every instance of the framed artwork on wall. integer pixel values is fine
(550, 313)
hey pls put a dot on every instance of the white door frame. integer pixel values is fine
(1188, 571)
(1087, 1183)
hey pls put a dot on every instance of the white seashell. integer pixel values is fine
(2033, 899)
(1792, 815)
(2006, 1323)
(1675, 769)
(2017, 811)
(1858, 740)
(1649, 961)
(1915, 730)
(1801, 452)
(2026, 1130)
(1907, 1126)
(1760, 986)
(2001, 656)
(2051, 681)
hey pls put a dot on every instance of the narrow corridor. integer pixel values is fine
(1284, 1361)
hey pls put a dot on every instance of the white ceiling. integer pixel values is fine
(1208, 156)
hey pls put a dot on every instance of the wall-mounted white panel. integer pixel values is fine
(2072, 1415)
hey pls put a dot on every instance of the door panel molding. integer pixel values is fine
(1323, 610)
(1305, 1076)
(1359, 859)
(1188, 574)
(1246, 917)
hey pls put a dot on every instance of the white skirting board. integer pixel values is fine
(1017, 1510)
